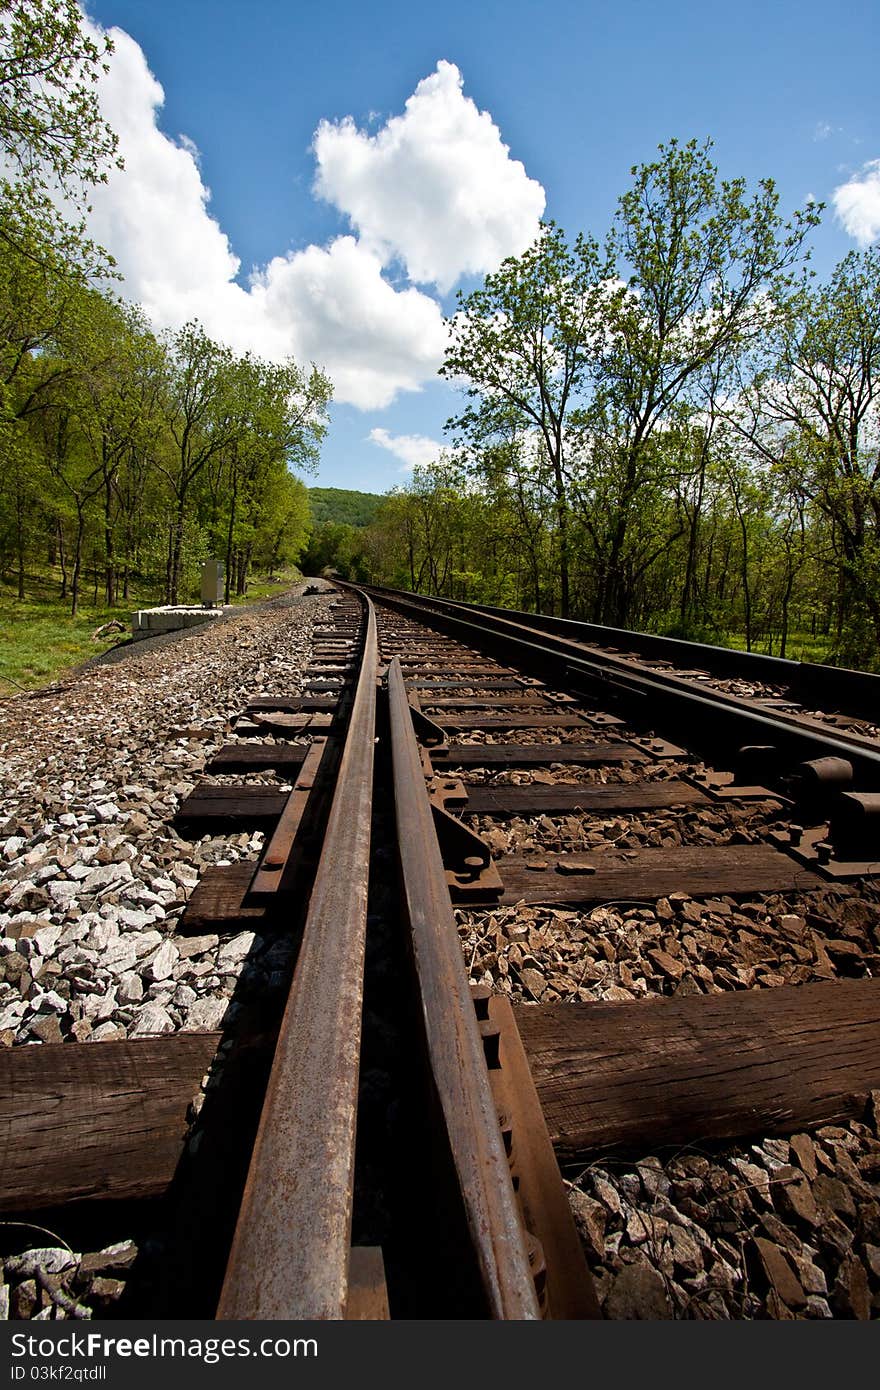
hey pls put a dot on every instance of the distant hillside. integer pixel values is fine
(336, 504)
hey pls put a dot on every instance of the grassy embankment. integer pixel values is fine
(40, 641)
(801, 646)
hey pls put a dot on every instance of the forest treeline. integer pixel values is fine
(130, 454)
(675, 427)
(675, 430)
(343, 506)
(138, 456)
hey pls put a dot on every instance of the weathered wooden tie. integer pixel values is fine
(537, 800)
(703, 1067)
(85, 1120)
(598, 876)
(465, 724)
(285, 758)
(210, 808)
(218, 902)
(538, 754)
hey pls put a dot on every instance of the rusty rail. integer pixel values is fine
(291, 1251)
(711, 717)
(453, 1038)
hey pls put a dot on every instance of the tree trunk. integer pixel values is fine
(168, 553)
(562, 531)
(786, 600)
(689, 587)
(77, 562)
(177, 552)
(109, 551)
(20, 537)
(229, 535)
(241, 578)
(62, 560)
(747, 592)
(617, 597)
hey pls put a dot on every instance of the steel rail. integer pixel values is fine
(453, 1038)
(291, 1250)
(700, 712)
(858, 692)
(728, 661)
(806, 679)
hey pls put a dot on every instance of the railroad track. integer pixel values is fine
(842, 696)
(387, 1144)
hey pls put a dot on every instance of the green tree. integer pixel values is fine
(75, 473)
(54, 142)
(202, 423)
(389, 542)
(281, 412)
(37, 300)
(697, 258)
(520, 490)
(343, 504)
(814, 407)
(525, 343)
(115, 364)
(282, 526)
(336, 546)
(54, 145)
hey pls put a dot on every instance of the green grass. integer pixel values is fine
(40, 641)
(801, 646)
(269, 586)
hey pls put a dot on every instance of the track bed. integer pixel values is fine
(425, 832)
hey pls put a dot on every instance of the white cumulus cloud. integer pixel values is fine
(435, 187)
(372, 339)
(857, 204)
(330, 304)
(153, 215)
(415, 450)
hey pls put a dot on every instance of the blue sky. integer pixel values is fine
(419, 195)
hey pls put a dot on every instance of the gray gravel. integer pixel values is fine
(93, 878)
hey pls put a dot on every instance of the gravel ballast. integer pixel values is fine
(93, 878)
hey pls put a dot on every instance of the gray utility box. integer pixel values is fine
(213, 582)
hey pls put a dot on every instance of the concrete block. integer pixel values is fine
(150, 622)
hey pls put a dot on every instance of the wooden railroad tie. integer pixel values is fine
(589, 879)
(81, 1120)
(704, 1067)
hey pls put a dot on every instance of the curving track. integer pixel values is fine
(471, 795)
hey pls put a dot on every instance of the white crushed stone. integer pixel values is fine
(93, 879)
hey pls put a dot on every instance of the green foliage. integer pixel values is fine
(282, 523)
(140, 457)
(125, 460)
(690, 630)
(50, 125)
(678, 432)
(53, 142)
(343, 505)
(336, 548)
(811, 413)
(525, 343)
(234, 425)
